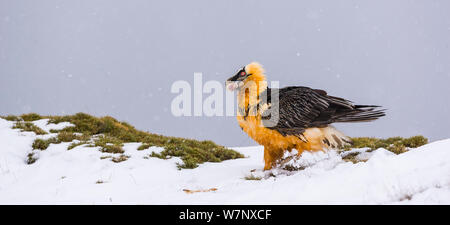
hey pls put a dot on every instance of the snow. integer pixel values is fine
(43, 124)
(79, 176)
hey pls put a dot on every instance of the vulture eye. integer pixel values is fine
(242, 73)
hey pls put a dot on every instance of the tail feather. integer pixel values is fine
(360, 113)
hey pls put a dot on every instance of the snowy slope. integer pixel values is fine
(79, 176)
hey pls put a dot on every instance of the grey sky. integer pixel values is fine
(120, 58)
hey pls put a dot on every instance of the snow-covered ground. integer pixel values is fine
(79, 176)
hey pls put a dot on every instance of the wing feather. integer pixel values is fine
(302, 107)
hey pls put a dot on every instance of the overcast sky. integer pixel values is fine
(120, 58)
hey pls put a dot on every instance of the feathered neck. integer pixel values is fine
(257, 78)
(254, 85)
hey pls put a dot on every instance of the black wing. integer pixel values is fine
(302, 107)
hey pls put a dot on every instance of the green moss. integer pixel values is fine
(351, 157)
(111, 134)
(115, 133)
(30, 158)
(414, 142)
(66, 136)
(57, 119)
(109, 144)
(112, 149)
(42, 144)
(27, 126)
(31, 117)
(119, 159)
(144, 147)
(105, 140)
(396, 145)
(76, 144)
(10, 118)
(193, 153)
(189, 162)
